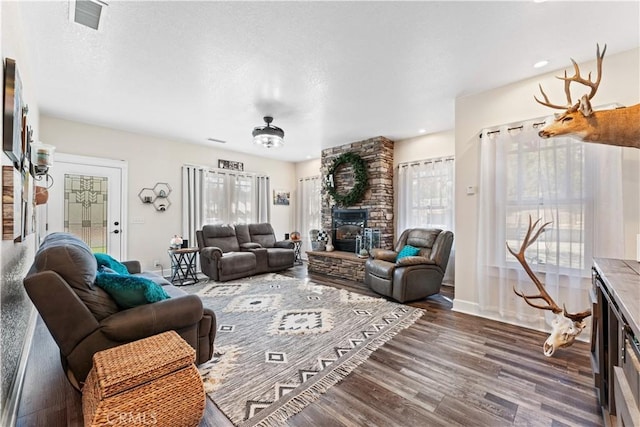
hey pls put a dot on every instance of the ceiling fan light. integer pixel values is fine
(268, 136)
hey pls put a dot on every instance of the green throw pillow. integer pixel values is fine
(105, 260)
(130, 291)
(408, 250)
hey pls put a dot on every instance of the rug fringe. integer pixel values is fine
(320, 386)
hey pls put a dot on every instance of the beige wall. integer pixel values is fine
(151, 160)
(441, 144)
(513, 103)
(18, 315)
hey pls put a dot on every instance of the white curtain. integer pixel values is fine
(425, 199)
(192, 195)
(425, 194)
(263, 213)
(308, 205)
(218, 196)
(576, 185)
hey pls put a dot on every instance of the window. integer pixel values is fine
(211, 196)
(545, 179)
(425, 194)
(574, 185)
(229, 198)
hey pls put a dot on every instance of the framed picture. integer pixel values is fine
(12, 134)
(230, 164)
(281, 197)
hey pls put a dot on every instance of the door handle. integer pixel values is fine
(116, 231)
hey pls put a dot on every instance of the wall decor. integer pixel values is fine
(566, 326)
(11, 203)
(230, 164)
(620, 126)
(158, 196)
(356, 193)
(12, 133)
(281, 197)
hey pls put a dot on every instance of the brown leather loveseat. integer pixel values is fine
(228, 252)
(83, 319)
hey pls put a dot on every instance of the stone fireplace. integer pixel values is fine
(346, 225)
(377, 205)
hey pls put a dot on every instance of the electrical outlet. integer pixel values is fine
(156, 263)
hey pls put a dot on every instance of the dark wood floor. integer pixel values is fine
(447, 369)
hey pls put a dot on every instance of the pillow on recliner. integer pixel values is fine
(406, 251)
(130, 291)
(105, 260)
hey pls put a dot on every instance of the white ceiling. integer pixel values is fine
(329, 72)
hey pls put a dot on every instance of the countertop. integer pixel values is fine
(622, 279)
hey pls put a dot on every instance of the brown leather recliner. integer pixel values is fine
(413, 277)
(83, 319)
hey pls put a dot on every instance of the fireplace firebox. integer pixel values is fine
(346, 224)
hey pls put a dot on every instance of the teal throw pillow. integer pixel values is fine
(130, 291)
(408, 250)
(105, 260)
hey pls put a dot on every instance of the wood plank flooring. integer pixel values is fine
(448, 369)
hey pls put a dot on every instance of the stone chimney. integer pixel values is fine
(378, 199)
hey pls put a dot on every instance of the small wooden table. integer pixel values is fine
(183, 265)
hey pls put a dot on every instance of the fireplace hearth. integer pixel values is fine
(346, 224)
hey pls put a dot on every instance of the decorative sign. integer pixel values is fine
(229, 164)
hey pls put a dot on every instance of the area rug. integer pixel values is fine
(281, 342)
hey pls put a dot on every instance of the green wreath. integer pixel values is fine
(360, 170)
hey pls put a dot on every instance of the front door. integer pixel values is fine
(87, 199)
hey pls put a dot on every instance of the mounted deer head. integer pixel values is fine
(619, 127)
(566, 326)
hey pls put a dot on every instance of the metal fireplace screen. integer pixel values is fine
(347, 224)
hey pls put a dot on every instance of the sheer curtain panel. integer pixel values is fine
(425, 199)
(575, 185)
(308, 208)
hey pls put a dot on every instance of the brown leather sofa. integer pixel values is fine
(83, 319)
(413, 277)
(228, 253)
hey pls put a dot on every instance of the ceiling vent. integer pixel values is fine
(87, 12)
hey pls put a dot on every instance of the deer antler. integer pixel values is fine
(529, 239)
(544, 295)
(570, 107)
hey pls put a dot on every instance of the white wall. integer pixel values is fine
(513, 103)
(151, 160)
(441, 144)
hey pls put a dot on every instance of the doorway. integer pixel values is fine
(88, 200)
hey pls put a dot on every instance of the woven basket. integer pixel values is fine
(152, 381)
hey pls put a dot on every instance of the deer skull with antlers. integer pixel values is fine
(566, 326)
(619, 127)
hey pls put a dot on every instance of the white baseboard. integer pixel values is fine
(10, 410)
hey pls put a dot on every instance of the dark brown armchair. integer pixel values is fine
(83, 319)
(412, 277)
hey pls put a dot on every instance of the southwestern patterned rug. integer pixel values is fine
(282, 341)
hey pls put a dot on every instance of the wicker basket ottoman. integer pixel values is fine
(152, 381)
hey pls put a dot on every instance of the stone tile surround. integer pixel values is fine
(345, 265)
(378, 200)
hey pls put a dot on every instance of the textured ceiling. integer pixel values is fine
(329, 72)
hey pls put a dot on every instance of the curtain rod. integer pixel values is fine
(534, 125)
(423, 161)
(217, 170)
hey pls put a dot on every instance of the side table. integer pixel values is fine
(297, 257)
(183, 265)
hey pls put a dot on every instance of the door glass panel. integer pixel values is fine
(85, 209)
